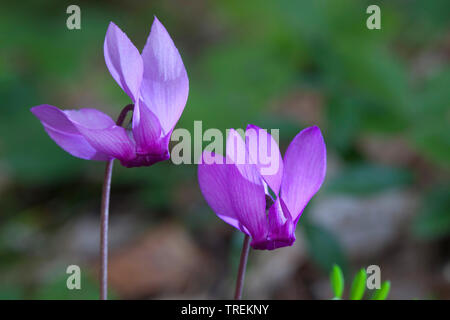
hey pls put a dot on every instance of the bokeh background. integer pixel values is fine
(381, 98)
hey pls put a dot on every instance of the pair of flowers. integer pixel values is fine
(265, 206)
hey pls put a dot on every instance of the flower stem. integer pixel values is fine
(105, 215)
(242, 266)
(104, 231)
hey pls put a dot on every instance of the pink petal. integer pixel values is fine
(265, 153)
(238, 200)
(61, 129)
(102, 133)
(281, 226)
(304, 170)
(248, 199)
(236, 150)
(146, 130)
(112, 141)
(123, 61)
(165, 85)
(91, 118)
(212, 179)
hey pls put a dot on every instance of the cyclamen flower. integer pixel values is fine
(238, 192)
(157, 83)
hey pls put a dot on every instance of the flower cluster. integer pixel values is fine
(264, 204)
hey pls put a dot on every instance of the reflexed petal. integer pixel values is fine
(231, 195)
(112, 141)
(76, 145)
(91, 118)
(102, 133)
(146, 130)
(61, 129)
(123, 61)
(165, 85)
(55, 118)
(304, 170)
(265, 153)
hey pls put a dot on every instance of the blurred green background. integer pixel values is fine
(381, 98)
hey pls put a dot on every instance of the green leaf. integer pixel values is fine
(382, 293)
(337, 281)
(358, 285)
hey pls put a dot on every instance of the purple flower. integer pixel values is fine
(157, 83)
(238, 191)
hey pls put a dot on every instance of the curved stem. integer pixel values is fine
(105, 215)
(123, 114)
(242, 266)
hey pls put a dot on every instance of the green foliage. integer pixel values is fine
(337, 281)
(358, 285)
(382, 293)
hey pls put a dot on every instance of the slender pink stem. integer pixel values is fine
(104, 231)
(105, 216)
(242, 267)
